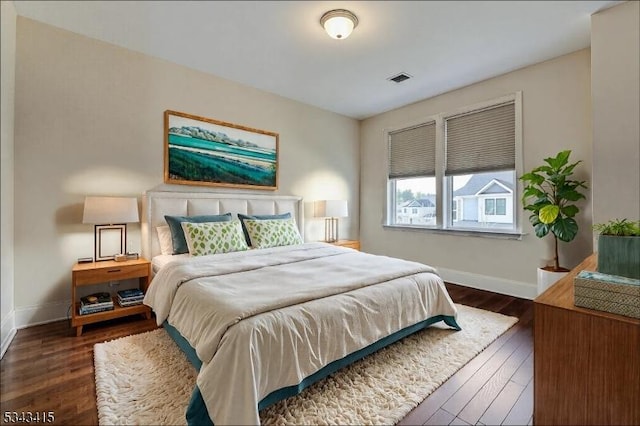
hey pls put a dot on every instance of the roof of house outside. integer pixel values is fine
(479, 181)
(428, 201)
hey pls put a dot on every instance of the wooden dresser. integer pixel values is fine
(586, 362)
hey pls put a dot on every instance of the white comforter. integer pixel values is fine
(265, 319)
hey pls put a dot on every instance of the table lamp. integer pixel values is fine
(331, 210)
(110, 216)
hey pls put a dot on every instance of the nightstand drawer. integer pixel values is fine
(111, 273)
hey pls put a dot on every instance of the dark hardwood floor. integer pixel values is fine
(494, 388)
(47, 368)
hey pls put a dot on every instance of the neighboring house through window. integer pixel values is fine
(473, 186)
(495, 206)
(455, 209)
(422, 212)
(487, 199)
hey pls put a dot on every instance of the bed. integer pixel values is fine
(262, 324)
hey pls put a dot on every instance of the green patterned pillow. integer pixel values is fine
(272, 233)
(214, 237)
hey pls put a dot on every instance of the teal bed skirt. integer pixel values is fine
(197, 413)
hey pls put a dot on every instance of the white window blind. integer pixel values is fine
(412, 152)
(481, 141)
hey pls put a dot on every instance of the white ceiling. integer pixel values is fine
(280, 47)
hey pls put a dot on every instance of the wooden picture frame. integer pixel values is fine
(204, 151)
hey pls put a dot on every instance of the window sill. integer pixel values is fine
(514, 235)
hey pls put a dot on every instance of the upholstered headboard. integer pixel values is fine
(157, 204)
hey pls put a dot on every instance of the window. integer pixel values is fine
(490, 206)
(418, 192)
(487, 199)
(495, 206)
(412, 174)
(457, 170)
(454, 210)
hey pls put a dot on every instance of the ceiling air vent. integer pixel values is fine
(400, 77)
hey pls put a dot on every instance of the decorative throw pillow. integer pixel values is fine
(273, 233)
(244, 217)
(214, 237)
(177, 233)
(164, 236)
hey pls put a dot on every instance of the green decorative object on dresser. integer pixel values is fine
(619, 248)
(609, 293)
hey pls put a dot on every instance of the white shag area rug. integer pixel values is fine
(145, 379)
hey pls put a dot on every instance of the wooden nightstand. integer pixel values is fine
(103, 272)
(354, 244)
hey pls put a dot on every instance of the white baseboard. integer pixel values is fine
(28, 316)
(484, 282)
(7, 331)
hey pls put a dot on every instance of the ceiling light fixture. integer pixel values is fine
(339, 23)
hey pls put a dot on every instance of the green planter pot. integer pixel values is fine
(619, 255)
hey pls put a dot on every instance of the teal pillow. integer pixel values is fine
(273, 233)
(177, 234)
(244, 217)
(214, 237)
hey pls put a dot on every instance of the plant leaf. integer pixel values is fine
(545, 169)
(570, 211)
(570, 194)
(531, 191)
(565, 229)
(532, 177)
(549, 213)
(541, 229)
(534, 219)
(560, 160)
(569, 169)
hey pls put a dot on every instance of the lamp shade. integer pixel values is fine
(331, 208)
(110, 210)
(339, 23)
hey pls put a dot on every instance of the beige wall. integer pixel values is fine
(89, 121)
(615, 81)
(556, 116)
(7, 92)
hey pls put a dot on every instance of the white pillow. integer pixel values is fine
(164, 236)
(214, 237)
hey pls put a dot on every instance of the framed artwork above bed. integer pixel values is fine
(204, 151)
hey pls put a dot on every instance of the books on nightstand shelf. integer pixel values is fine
(94, 303)
(130, 297)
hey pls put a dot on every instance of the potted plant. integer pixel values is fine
(550, 195)
(619, 248)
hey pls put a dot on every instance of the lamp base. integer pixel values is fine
(109, 240)
(331, 229)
